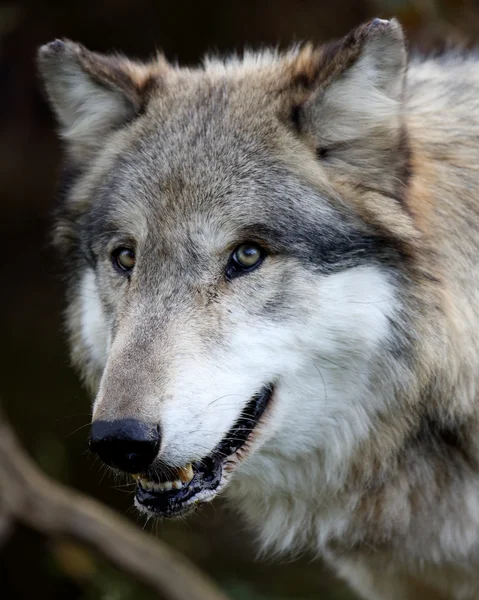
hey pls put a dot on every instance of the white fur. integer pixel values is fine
(94, 326)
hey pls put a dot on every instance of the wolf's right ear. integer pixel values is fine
(93, 94)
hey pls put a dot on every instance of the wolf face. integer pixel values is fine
(235, 238)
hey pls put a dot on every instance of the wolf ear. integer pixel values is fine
(93, 94)
(353, 114)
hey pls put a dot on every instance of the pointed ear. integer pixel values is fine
(354, 113)
(93, 94)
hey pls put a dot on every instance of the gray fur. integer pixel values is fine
(361, 183)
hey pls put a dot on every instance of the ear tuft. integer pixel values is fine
(93, 94)
(385, 43)
(353, 112)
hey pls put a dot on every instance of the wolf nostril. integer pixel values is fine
(126, 444)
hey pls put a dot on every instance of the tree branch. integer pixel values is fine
(29, 496)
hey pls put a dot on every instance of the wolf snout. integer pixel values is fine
(127, 444)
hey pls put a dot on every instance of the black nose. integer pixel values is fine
(126, 444)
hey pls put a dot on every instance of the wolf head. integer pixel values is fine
(235, 235)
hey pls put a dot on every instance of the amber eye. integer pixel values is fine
(245, 259)
(123, 259)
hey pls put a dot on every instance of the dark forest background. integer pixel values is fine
(38, 390)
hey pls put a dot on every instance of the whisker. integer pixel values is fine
(226, 396)
(78, 429)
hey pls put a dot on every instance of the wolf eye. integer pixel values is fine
(244, 259)
(123, 259)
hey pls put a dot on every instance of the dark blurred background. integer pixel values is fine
(38, 389)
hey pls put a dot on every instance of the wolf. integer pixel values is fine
(273, 292)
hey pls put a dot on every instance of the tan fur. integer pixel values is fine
(403, 160)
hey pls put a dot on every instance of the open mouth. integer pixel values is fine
(200, 481)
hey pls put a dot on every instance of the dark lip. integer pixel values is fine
(208, 471)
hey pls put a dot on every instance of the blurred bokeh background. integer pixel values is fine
(38, 390)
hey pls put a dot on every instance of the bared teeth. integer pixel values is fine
(165, 486)
(185, 475)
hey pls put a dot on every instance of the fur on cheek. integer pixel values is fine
(323, 411)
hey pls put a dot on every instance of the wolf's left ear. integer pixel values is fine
(93, 94)
(353, 113)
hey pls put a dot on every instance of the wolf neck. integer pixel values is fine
(391, 503)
